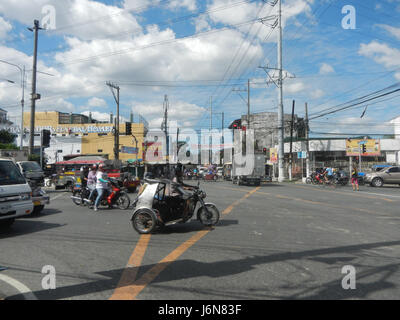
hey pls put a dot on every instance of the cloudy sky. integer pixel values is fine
(194, 50)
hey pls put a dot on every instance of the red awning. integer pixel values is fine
(80, 162)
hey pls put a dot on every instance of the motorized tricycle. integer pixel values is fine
(157, 206)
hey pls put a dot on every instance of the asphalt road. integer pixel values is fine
(277, 241)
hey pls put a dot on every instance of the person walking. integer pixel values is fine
(354, 179)
(91, 181)
(101, 185)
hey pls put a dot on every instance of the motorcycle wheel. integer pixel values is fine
(76, 201)
(144, 222)
(123, 202)
(209, 218)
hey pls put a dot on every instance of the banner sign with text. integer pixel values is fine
(372, 146)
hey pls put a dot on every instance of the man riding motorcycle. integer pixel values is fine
(178, 188)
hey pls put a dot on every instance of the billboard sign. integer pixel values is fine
(273, 155)
(372, 146)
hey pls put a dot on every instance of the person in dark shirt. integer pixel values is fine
(84, 176)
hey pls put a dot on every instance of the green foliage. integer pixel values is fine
(7, 137)
(8, 146)
(34, 157)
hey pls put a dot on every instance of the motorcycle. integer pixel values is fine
(115, 197)
(155, 208)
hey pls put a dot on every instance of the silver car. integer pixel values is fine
(386, 176)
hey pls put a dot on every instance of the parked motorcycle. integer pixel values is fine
(155, 207)
(116, 197)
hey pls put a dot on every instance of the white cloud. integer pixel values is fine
(326, 68)
(294, 87)
(85, 19)
(382, 54)
(97, 102)
(188, 4)
(316, 94)
(5, 27)
(392, 30)
(103, 116)
(186, 114)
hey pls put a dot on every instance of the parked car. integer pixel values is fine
(34, 175)
(15, 193)
(386, 176)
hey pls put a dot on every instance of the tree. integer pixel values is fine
(7, 137)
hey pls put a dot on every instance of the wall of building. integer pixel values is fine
(265, 125)
(87, 138)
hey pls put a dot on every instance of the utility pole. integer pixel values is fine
(22, 109)
(281, 153)
(248, 103)
(177, 144)
(291, 143)
(307, 142)
(35, 96)
(22, 71)
(277, 22)
(164, 127)
(116, 131)
(210, 138)
(223, 140)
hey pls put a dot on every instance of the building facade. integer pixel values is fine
(80, 135)
(265, 126)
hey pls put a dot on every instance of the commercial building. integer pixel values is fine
(265, 126)
(78, 134)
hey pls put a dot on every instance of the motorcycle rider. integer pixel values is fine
(101, 185)
(91, 182)
(84, 176)
(176, 189)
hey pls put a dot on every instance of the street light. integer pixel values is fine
(22, 70)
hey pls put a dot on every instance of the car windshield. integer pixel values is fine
(9, 174)
(30, 166)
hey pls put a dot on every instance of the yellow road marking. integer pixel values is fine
(132, 291)
(128, 277)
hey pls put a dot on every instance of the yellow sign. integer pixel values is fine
(354, 146)
(273, 155)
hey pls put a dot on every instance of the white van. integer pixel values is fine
(15, 193)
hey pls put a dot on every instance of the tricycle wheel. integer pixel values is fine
(144, 222)
(210, 216)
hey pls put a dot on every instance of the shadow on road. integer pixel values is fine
(193, 226)
(187, 269)
(45, 212)
(26, 226)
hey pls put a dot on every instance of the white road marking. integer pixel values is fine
(380, 194)
(23, 289)
(57, 196)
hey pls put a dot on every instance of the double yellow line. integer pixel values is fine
(129, 288)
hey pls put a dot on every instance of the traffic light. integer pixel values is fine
(364, 148)
(265, 151)
(128, 126)
(45, 138)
